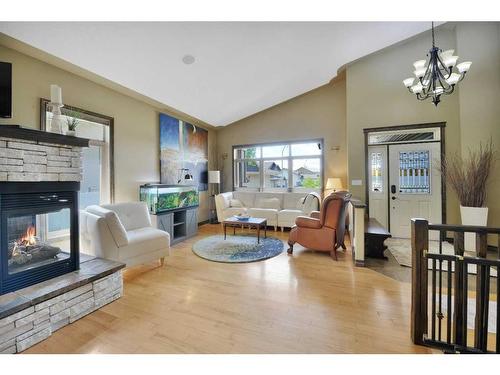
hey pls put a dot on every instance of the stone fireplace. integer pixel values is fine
(40, 177)
(45, 283)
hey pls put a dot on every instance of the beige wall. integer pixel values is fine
(136, 122)
(479, 97)
(317, 114)
(376, 97)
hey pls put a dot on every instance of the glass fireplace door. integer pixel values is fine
(29, 252)
(28, 243)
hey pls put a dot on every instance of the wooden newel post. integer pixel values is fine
(419, 244)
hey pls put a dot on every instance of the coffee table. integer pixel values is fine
(253, 222)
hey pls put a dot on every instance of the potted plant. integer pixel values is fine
(468, 178)
(72, 120)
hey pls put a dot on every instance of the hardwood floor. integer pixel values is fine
(305, 303)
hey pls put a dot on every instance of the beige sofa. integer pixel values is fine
(280, 209)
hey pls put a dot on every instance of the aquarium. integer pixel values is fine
(160, 198)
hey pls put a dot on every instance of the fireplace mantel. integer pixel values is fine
(26, 134)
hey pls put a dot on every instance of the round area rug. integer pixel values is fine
(237, 249)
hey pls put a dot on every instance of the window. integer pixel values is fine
(414, 172)
(292, 166)
(96, 186)
(376, 170)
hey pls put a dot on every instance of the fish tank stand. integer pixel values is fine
(180, 223)
(173, 209)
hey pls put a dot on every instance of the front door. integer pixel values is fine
(414, 186)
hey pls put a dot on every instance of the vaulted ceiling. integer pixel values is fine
(239, 68)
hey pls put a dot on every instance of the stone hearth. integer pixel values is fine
(32, 314)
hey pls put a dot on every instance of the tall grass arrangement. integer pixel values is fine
(468, 176)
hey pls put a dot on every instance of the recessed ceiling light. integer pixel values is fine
(188, 59)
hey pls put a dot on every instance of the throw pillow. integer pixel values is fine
(273, 203)
(235, 203)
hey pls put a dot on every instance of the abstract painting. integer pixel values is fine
(183, 146)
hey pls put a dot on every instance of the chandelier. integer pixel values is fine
(438, 77)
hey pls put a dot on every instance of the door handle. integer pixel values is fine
(393, 198)
(393, 189)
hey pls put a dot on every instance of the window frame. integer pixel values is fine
(93, 117)
(289, 158)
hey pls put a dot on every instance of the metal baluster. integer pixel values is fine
(485, 311)
(449, 308)
(498, 311)
(433, 307)
(465, 302)
(440, 301)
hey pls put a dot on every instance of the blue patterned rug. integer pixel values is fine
(237, 249)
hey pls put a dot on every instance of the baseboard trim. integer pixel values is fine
(359, 263)
(200, 223)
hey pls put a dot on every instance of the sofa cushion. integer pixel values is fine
(247, 198)
(268, 203)
(115, 226)
(235, 203)
(287, 217)
(225, 199)
(145, 240)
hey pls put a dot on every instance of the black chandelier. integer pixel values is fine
(437, 78)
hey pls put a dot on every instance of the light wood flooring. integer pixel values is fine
(305, 303)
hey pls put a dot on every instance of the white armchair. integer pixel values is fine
(122, 232)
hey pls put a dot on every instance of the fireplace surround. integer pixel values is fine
(40, 176)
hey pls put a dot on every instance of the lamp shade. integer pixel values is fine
(214, 177)
(333, 183)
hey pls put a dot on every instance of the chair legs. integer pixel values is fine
(290, 249)
(162, 261)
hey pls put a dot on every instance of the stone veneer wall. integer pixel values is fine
(36, 323)
(22, 160)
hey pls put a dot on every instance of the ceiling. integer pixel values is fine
(240, 68)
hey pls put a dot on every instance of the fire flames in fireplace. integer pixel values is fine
(29, 248)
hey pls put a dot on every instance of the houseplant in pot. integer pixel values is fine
(72, 120)
(468, 177)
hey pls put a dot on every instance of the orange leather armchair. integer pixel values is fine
(323, 230)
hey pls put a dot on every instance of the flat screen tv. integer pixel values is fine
(5, 90)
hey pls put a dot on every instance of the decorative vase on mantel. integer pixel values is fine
(71, 133)
(477, 216)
